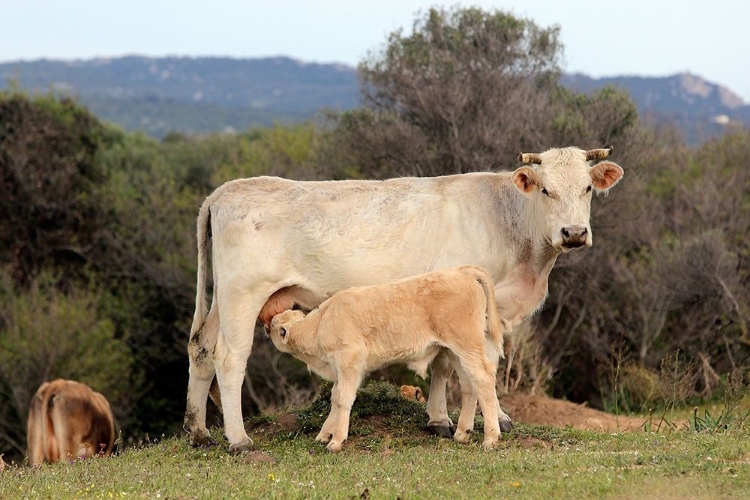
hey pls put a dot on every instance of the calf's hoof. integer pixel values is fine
(445, 431)
(334, 446)
(506, 425)
(462, 436)
(489, 444)
(323, 438)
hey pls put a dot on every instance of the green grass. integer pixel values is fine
(393, 458)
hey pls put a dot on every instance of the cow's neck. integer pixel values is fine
(523, 290)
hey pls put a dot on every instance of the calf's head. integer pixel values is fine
(560, 187)
(280, 328)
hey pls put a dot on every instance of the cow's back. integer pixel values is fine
(326, 236)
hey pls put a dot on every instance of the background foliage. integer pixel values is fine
(97, 261)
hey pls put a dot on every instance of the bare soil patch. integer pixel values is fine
(543, 410)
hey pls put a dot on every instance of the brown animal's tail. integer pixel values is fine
(496, 325)
(203, 233)
(49, 431)
(36, 428)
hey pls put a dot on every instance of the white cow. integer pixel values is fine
(361, 329)
(312, 239)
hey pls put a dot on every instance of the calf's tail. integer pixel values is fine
(496, 325)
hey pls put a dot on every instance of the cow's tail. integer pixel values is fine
(496, 325)
(203, 233)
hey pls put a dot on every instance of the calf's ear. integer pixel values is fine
(284, 334)
(525, 179)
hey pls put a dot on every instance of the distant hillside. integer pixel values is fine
(209, 94)
(198, 95)
(701, 109)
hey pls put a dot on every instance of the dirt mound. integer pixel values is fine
(543, 410)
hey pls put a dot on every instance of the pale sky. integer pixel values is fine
(601, 37)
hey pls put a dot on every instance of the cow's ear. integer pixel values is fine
(606, 174)
(525, 179)
(284, 333)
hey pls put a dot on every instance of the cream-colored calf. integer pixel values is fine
(410, 321)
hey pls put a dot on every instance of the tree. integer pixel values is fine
(465, 91)
(49, 174)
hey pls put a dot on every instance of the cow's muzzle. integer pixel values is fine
(574, 236)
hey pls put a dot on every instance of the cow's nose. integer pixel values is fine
(574, 236)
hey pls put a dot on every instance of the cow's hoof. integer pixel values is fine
(506, 425)
(203, 442)
(489, 444)
(241, 448)
(444, 431)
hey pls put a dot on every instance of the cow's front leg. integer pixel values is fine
(437, 407)
(201, 373)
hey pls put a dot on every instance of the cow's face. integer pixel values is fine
(560, 188)
(280, 327)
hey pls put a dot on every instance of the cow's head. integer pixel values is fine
(560, 187)
(280, 327)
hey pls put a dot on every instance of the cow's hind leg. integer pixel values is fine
(437, 407)
(200, 352)
(233, 346)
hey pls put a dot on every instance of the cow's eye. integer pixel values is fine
(588, 189)
(544, 190)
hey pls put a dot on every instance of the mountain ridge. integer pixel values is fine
(211, 94)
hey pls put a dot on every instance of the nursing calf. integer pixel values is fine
(410, 321)
(68, 420)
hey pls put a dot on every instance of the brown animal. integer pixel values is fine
(451, 312)
(68, 420)
(412, 392)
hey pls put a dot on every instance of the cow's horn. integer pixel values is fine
(530, 158)
(598, 154)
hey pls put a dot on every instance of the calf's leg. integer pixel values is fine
(348, 379)
(437, 407)
(468, 407)
(482, 375)
(326, 432)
